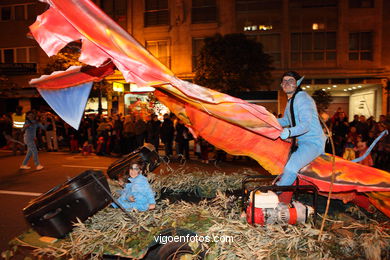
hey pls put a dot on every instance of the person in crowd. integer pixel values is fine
(361, 148)
(204, 150)
(175, 120)
(167, 132)
(116, 145)
(183, 137)
(355, 121)
(6, 138)
(82, 132)
(129, 134)
(62, 136)
(340, 129)
(137, 194)
(118, 126)
(220, 155)
(327, 128)
(95, 122)
(307, 129)
(371, 123)
(140, 130)
(352, 133)
(197, 149)
(349, 149)
(339, 143)
(5, 128)
(362, 127)
(340, 125)
(382, 159)
(73, 139)
(89, 131)
(18, 119)
(51, 135)
(371, 137)
(41, 134)
(382, 119)
(87, 148)
(153, 129)
(108, 134)
(104, 130)
(101, 146)
(336, 115)
(30, 129)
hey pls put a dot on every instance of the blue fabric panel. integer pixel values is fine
(68, 103)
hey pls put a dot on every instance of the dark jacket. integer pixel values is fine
(153, 129)
(167, 131)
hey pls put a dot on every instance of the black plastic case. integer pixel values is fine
(53, 213)
(146, 153)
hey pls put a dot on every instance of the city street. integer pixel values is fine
(18, 187)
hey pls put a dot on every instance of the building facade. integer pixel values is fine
(20, 56)
(339, 45)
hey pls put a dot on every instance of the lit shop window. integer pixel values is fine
(318, 26)
(258, 28)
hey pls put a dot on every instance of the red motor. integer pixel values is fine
(268, 210)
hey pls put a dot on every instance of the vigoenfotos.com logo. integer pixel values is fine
(164, 239)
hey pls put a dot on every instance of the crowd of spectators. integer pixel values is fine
(114, 135)
(118, 135)
(352, 139)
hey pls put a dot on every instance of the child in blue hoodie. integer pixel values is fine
(137, 194)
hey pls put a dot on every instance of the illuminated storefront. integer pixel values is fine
(354, 99)
(139, 101)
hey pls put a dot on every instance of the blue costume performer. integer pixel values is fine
(307, 128)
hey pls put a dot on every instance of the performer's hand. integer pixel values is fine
(285, 134)
(131, 198)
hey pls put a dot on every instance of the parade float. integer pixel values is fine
(231, 124)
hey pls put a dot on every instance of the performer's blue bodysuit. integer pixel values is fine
(310, 136)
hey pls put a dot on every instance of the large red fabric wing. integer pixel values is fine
(228, 136)
(348, 175)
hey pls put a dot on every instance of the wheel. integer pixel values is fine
(177, 250)
(152, 253)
